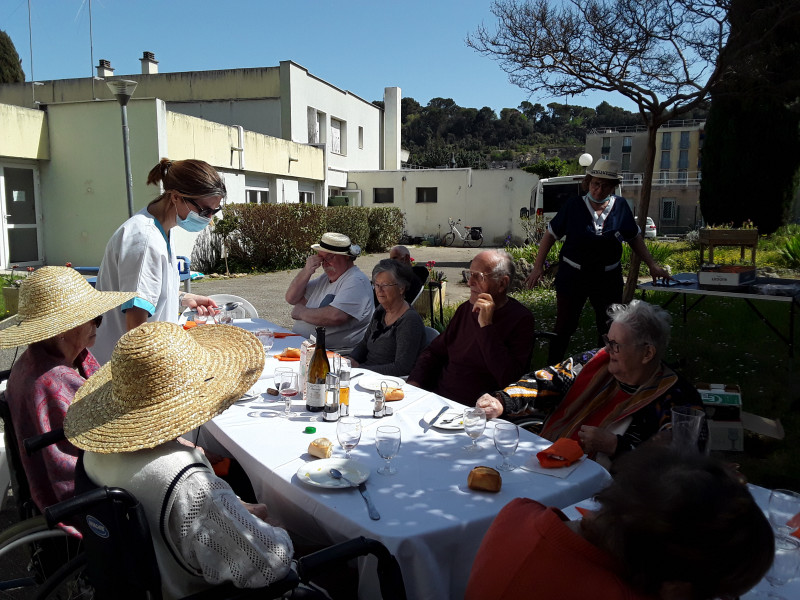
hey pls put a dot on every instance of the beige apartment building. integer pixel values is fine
(675, 197)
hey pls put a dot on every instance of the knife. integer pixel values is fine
(430, 423)
(373, 512)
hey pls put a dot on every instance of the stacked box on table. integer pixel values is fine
(725, 278)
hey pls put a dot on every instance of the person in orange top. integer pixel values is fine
(670, 526)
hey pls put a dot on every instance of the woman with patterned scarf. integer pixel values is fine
(609, 400)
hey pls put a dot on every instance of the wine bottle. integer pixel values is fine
(318, 368)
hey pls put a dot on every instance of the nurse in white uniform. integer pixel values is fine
(139, 257)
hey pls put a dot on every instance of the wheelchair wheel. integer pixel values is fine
(32, 555)
(68, 582)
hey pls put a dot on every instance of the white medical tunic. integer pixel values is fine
(138, 258)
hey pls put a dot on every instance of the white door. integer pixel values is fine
(21, 235)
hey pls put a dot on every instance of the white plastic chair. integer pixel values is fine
(221, 299)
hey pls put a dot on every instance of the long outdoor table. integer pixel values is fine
(430, 520)
(761, 496)
(688, 286)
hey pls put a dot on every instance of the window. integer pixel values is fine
(627, 143)
(666, 141)
(606, 147)
(665, 161)
(338, 136)
(663, 177)
(313, 125)
(257, 195)
(360, 137)
(426, 194)
(683, 159)
(626, 162)
(684, 139)
(306, 197)
(669, 209)
(683, 176)
(385, 195)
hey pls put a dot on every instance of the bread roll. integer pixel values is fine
(321, 448)
(394, 394)
(292, 353)
(485, 479)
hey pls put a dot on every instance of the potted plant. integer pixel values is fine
(11, 282)
(434, 293)
(744, 237)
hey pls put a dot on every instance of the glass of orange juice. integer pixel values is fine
(342, 366)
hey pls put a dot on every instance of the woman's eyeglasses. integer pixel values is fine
(98, 321)
(203, 212)
(614, 346)
(382, 286)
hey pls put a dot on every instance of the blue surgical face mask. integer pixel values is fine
(193, 222)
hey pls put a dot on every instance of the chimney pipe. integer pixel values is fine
(149, 63)
(104, 68)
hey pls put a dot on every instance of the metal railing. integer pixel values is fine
(664, 178)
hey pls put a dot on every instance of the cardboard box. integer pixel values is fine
(721, 402)
(728, 278)
(727, 422)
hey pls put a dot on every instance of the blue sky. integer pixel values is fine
(356, 45)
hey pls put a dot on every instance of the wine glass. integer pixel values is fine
(387, 443)
(276, 377)
(784, 511)
(348, 432)
(200, 319)
(267, 339)
(784, 565)
(474, 424)
(288, 389)
(506, 438)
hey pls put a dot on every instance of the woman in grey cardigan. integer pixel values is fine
(396, 334)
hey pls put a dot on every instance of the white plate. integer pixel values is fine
(372, 383)
(317, 472)
(456, 418)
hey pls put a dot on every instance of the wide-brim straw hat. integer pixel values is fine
(162, 382)
(53, 300)
(336, 243)
(606, 169)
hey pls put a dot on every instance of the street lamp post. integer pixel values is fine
(123, 90)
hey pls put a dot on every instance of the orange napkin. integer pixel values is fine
(289, 358)
(561, 454)
(583, 511)
(279, 335)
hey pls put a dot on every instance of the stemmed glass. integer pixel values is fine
(267, 339)
(387, 443)
(506, 438)
(784, 511)
(785, 564)
(474, 424)
(348, 432)
(288, 390)
(276, 377)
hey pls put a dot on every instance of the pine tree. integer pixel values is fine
(10, 64)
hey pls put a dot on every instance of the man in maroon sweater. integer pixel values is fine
(487, 343)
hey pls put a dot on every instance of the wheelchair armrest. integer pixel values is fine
(37, 442)
(548, 335)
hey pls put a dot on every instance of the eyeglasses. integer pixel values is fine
(382, 286)
(481, 277)
(602, 183)
(98, 321)
(614, 346)
(203, 212)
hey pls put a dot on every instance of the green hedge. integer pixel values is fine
(274, 237)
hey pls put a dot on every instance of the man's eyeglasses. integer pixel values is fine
(203, 212)
(481, 277)
(382, 286)
(98, 321)
(614, 346)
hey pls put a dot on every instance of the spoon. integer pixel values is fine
(373, 512)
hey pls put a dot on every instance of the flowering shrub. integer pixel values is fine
(433, 274)
(13, 279)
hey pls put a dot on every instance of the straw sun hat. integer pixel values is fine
(162, 382)
(606, 169)
(336, 243)
(54, 300)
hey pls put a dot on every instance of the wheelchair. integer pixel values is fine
(117, 559)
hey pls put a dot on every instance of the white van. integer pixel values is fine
(550, 194)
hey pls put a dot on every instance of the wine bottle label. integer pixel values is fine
(315, 394)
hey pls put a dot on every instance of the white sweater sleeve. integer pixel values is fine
(216, 535)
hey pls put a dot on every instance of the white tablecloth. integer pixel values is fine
(430, 520)
(761, 496)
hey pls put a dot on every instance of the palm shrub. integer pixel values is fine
(660, 252)
(791, 252)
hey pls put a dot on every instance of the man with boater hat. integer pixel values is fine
(595, 225)
(340, 299)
